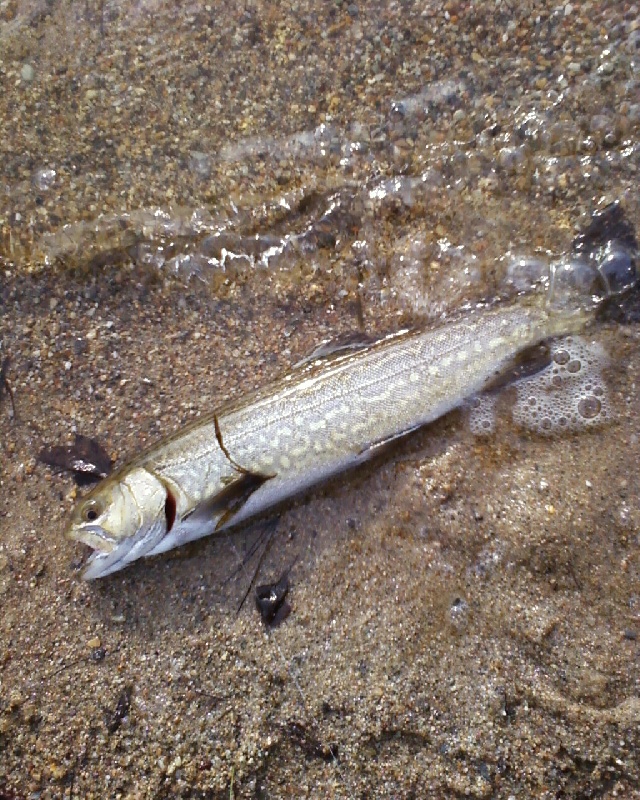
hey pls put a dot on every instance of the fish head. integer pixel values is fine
(122, 518)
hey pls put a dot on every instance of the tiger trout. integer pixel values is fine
(326, 416)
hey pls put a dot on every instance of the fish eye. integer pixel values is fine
(92, 510)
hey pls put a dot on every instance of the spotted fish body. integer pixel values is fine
(320, 419)
(335, 411)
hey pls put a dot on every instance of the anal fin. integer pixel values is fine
(525, 364)
(374, 448)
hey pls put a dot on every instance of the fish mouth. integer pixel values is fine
(94, 536)
(99, 563)
(102, 553)
(111, 555)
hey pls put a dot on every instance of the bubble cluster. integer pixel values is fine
(525, 272)
(482, 414)
(569, 395)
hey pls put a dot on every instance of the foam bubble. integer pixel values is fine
(525, 272)
(482, 414)
(569, 395)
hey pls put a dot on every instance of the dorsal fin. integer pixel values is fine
(342, 345)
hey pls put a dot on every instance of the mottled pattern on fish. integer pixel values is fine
(320, 419)
(335, 411)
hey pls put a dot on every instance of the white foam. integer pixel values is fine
(482, 414)
(569, 395)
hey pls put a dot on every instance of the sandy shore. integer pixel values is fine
(465, 612)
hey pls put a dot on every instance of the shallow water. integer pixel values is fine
(190, 200)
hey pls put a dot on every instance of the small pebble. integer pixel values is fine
(174, 765)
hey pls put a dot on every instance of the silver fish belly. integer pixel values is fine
(319, 420)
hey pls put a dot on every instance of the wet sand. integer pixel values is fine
(465, 612)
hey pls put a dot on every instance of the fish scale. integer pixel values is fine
(333, 412)
(320, 419)
(377, 395)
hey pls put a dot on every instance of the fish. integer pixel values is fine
(328, 415)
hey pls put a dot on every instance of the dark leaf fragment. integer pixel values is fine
(86, 458)
(113, 719)
(4, 383)
(607, 225)
(271, 601)
(610, 241)
(311, 746)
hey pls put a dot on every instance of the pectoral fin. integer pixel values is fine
(224, 505)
